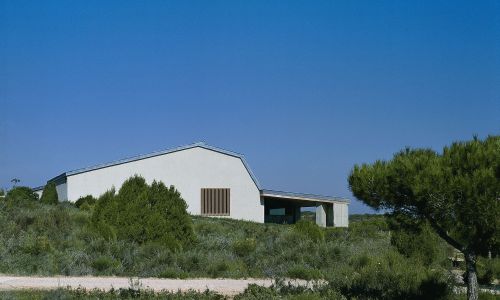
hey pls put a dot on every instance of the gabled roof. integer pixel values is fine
(300, 196)
(158, 153)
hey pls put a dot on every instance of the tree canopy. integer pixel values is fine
(457, 192)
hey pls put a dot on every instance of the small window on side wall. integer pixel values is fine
(215, 201)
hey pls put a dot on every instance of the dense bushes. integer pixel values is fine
(244, 247)
(488, 270)
(114, 294)
(144, 213)
(85, 203)
(279, 291)
(309, 230)
(21, 194)
(423, 245)
(359, 261)
(391, 276)
(49, 194)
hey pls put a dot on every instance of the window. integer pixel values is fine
(277, 211)
(215, 202)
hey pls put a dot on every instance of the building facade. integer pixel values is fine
(212, 181)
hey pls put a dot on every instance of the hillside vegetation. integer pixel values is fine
(359, 261)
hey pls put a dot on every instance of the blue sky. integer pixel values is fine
(305, 89)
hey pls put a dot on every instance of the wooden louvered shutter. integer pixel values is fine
(215, 201)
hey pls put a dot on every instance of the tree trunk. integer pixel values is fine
(472, 286)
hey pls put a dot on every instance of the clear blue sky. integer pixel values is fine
(305, 89)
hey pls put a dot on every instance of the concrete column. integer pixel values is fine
(320, 215)
(340, 215)
(297, 214)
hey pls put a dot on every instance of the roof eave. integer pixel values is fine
(303, 197)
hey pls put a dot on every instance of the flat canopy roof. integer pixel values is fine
(302, 197)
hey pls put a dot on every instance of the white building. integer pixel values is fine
(212, 181)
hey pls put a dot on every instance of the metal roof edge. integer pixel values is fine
(303, 195)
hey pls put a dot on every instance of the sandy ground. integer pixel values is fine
(227, 287)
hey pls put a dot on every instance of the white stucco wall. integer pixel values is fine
(321, 214)
(39, 193)
(340, 214)
(188, 170)
(62, 192)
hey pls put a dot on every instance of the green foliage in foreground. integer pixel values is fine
(109, 295)
(143, 213)
(49, 194)
(360, 260)
(279, 291)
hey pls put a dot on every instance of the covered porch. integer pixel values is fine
(286, 208)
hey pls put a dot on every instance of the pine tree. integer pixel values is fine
(456, 192)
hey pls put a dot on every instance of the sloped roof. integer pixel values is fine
(158, 153)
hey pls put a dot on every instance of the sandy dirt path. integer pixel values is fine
(227, 287)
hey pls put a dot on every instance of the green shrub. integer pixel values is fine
(206, 228)
(281, 290)
(21, 194)
(244, 247)
(104, 230)
(35, 245)
(85, 203)
(113, 294)
(173, 273)
(218, 268)
(368, 227)
(104, 263)
(310, 230)
(487, 296)
(392, 277)
(422, 244)
(257, 292)
(488, 270)
(302, 272)
(361, 261)
(143, 213)
(49, 194)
